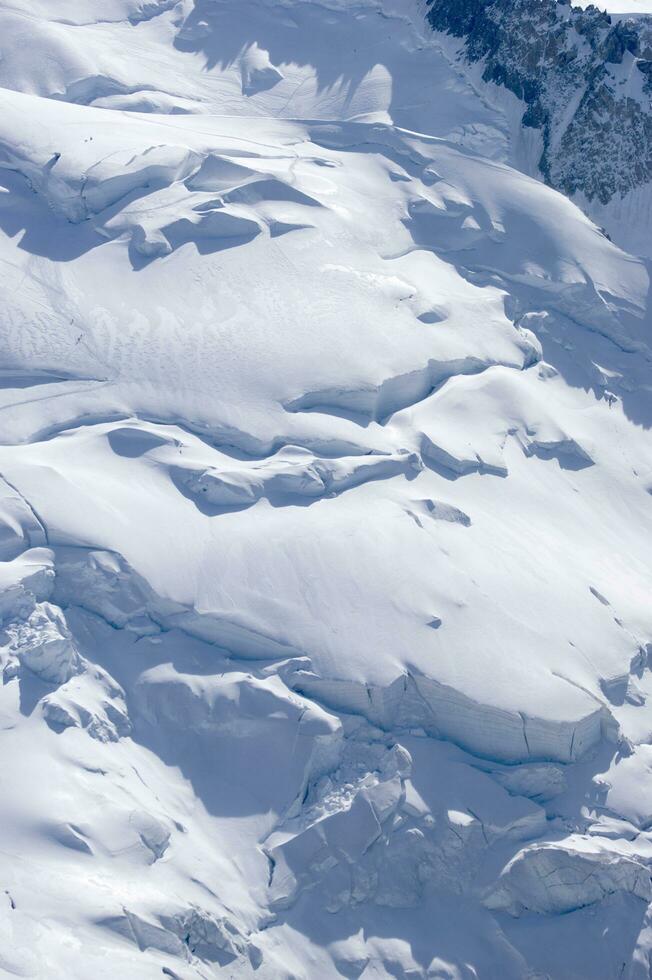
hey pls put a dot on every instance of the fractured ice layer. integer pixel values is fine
(324, 512)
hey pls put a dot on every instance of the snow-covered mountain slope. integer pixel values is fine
(584, 83)
(325, 508)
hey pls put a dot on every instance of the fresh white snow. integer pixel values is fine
(634, 8)
(325, 513)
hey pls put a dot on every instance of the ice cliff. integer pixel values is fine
(325, 493)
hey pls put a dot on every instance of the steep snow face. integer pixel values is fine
(325, 512)
(586, 81)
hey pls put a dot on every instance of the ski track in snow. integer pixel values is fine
(325, 513)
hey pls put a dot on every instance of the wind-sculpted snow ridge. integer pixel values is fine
(325, 513)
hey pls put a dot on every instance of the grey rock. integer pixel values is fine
(585, 80)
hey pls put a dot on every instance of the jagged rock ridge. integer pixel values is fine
(586, 81)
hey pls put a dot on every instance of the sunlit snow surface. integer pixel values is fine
(626, 7)
(325, 513)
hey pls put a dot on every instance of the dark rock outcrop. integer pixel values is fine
(585, 79)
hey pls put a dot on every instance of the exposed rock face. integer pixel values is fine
(586, 81)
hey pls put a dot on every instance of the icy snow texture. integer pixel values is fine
(325, 511)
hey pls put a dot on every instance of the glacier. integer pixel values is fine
(325, 508)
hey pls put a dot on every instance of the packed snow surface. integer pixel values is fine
(629, 7)
(325, 513)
